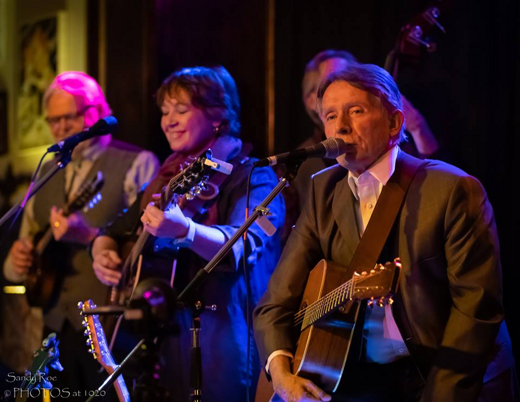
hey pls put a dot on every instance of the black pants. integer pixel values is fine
(367, 382)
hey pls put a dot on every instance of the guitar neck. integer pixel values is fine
(47, 236)
(129, 263)
(119, 385)
(380, 283)
(326, 305)
(43, 242)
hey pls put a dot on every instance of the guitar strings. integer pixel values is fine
(324, 305)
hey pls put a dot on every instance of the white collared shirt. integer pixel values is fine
(384, 343)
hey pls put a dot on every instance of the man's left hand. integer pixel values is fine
(71, 229)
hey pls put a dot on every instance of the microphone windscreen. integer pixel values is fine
(334, 147)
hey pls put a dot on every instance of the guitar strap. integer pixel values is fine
(376, 234)
(385, 213)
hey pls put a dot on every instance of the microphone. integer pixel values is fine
(151, 310)
(103, 126)
(331, 148)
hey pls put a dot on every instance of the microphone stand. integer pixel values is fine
(187, 295)
(115, 374)
(64, 160)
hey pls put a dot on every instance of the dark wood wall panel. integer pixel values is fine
(467, 89)
(231, 33)
(130, 67)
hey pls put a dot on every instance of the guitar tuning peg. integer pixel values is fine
(80, 305)
(89, 342)
(355, 273)
(432, 15)
(91, 351)
(415, 36)
(189, 196)
(370, 304)
(195, 190)
(84, 322)
(381, 302)
(390, 301)
(372, 271)
(364, 273)
(86, 332)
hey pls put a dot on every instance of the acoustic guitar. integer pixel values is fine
(190, 182)
(43, 283)
(98, 347)
(329, 339)
(327, 318)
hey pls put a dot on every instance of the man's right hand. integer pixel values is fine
(21, 255)
(292, 388)
(106, 267)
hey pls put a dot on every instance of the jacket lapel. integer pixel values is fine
(344, 213)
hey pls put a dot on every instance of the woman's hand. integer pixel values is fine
(72, 229)
(171, 223)
(107, 264)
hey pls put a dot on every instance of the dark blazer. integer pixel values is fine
(449, 307)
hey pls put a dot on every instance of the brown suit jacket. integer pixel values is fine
(449, 307)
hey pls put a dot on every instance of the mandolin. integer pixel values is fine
(43, 283)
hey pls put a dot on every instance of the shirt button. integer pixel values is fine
(401, 350)
(370, 206)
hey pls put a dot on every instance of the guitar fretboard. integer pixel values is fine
(324, 306)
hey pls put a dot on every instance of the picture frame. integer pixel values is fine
(38, 62)
(3, 123)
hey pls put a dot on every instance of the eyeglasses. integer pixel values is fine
(69, 118)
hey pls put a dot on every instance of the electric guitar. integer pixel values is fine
(98, 347)
(43, 283)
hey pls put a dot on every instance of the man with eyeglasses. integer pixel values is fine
(74, 102)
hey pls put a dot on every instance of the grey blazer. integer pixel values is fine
(449, 307)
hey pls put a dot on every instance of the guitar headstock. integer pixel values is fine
(43, 358)
(193, 179)
(96, 340)
(88, 194)
(378, 285)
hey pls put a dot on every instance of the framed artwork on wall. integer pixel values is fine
(38, 52)
(3, 123)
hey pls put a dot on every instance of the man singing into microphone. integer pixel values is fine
(443, 338)
(74, 102)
